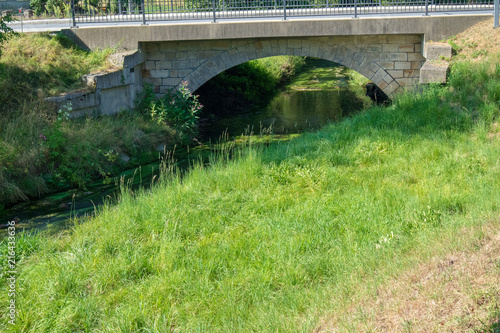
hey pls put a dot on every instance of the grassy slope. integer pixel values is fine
(272, 240)
(38, 152)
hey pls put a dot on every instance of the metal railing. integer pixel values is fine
(93, 11)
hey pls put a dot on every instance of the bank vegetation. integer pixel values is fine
(288, 236)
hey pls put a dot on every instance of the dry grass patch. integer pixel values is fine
(478, 41)
(495, 131)
(457, 292)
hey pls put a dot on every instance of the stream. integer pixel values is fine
(319, 94)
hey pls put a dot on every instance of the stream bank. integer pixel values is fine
(320, 93)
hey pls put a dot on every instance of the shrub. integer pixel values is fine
(5, 31)
(38, 6)
(179, 109)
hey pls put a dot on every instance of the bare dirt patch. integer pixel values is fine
(459, 292)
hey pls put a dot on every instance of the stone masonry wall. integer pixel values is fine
(390, 61)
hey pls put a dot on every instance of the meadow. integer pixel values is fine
(277, 238)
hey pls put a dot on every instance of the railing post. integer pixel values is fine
(426, 7)
(215, 20)
(284, 10)
(355, 8)
(496, 12)
(73, 13)
(143, 13)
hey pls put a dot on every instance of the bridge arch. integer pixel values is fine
(256, 50)
(391, 62)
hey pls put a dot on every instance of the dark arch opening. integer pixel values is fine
(235, 92)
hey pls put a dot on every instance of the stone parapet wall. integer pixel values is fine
(107, 93)
(390, 61)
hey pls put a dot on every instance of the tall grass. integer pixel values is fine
(40, 153)
(273, 238)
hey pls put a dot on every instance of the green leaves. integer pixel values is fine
(5, 31)
(179, 109)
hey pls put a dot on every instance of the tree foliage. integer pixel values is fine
(5, 31)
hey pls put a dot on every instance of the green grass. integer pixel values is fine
(41, 154)
(274, 238)
(39, 65)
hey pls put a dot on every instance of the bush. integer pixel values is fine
(38, 6)
(179, 109)
(5, 31)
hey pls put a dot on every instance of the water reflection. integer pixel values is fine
(290, 112)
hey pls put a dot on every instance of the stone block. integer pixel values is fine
(154, 81)
(391, 87)
(171, 81)
(402, 65)
(78, 100)
(163, 65)
(390, 48)
(313, 52)
(387, 64)
(382, 85)
(406, 47)
(159, 73)
(407, 81)
(180, 64)
(414, 39)
(435, 51)
(374, 48)
(374, 67)
(388, 79)
(183, 72)
(416, 64)
(433, 73)
(396, 73)
(411, 72)
(379, 76)
(415, 57)
(156, 55)
(397, 39)
(398, 56)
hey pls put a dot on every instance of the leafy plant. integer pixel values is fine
(179, 109)
(38, 6)
(5, 31)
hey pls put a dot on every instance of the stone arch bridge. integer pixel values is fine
(390, 61)
(388, 50)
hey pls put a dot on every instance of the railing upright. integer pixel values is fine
(284, 10)
(215, 20)
(496, 12)
(426, 7)
(143, 13)
(355, 8)
(73, 13)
